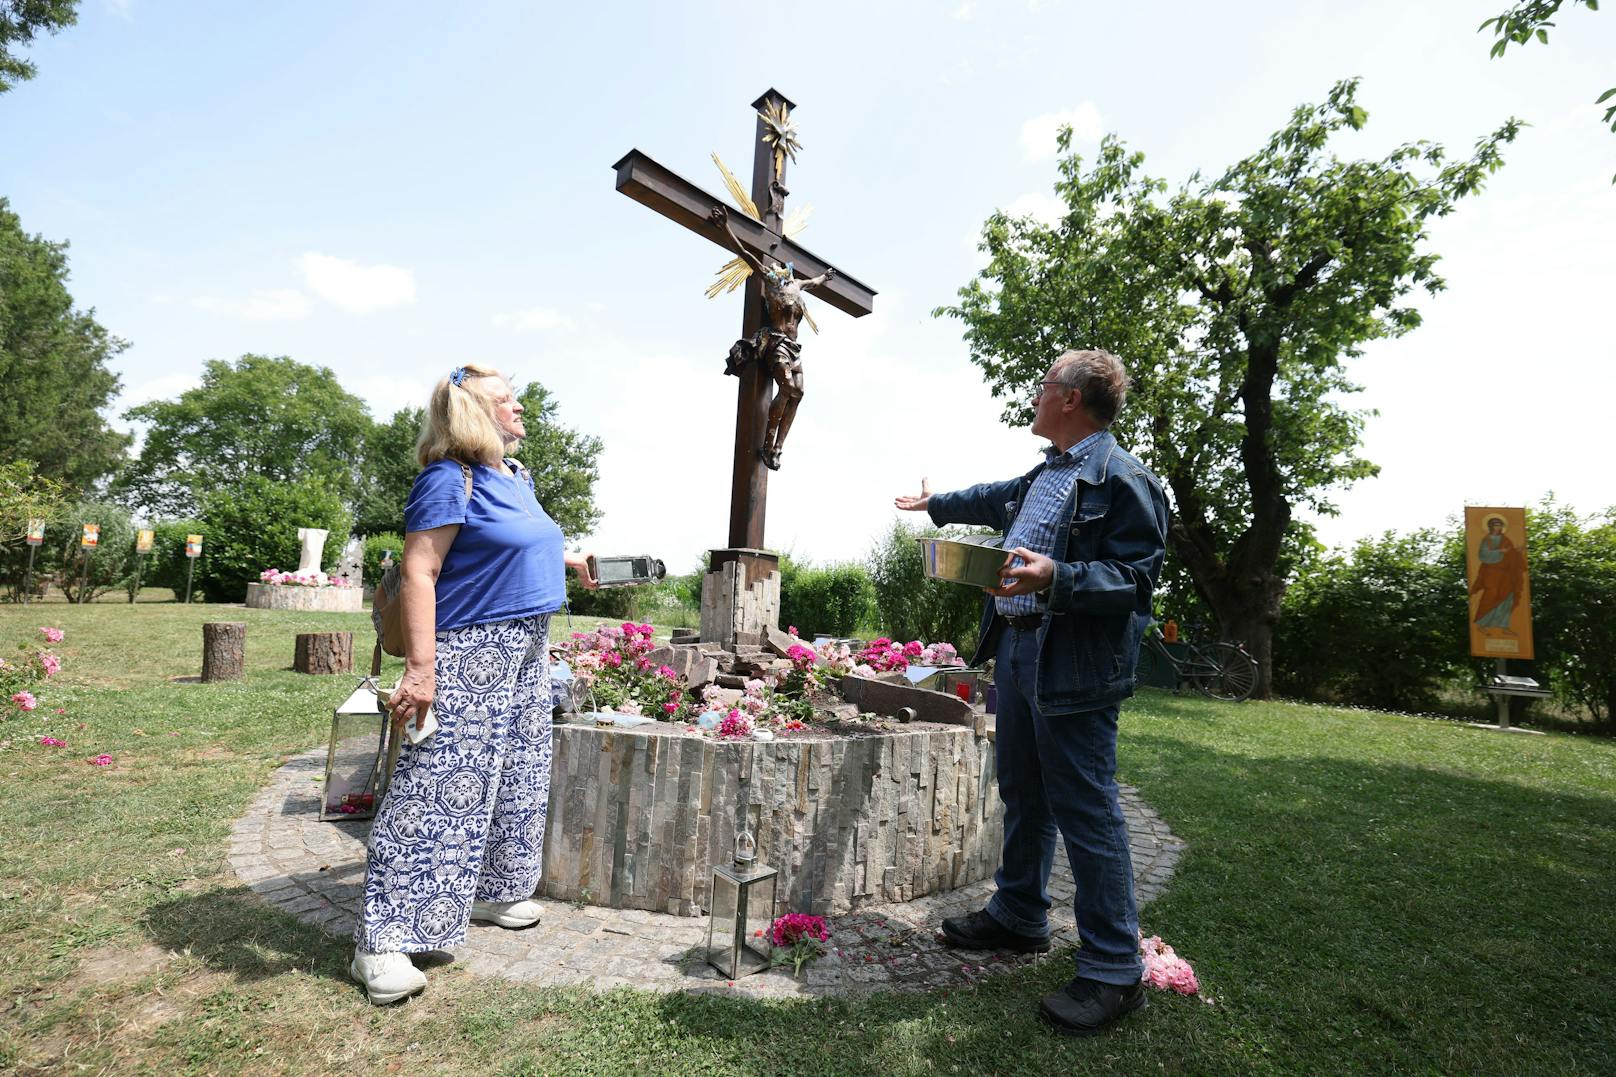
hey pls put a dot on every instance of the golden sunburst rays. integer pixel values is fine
(780, 132)
(734, 272)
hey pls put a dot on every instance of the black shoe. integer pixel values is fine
(979, 931)
(1083, 1007)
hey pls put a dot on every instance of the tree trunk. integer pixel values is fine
(223, 650)
(324, 652)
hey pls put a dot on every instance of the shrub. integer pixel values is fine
(1382, 627)
(833, 601)
(1573, 586)
(375, 547)
(114, 556)
(253, 526)
(914, 607)
(166, 564)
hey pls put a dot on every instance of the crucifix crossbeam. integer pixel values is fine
(761, 239)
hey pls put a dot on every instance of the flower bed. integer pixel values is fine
(276, 578)
(611, 664)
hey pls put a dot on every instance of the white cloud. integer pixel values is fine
(356, 288)
(1044, 208)
(263, 305)
(536, 319)
(1038, 133)
(965, 11)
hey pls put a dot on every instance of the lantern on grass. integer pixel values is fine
(360, 758)
(742, 909)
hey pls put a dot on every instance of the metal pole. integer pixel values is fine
(190, 567)
(1503, 700)
(28, 576)
(84, 576)
(140, 563)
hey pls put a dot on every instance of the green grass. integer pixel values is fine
(1362, 892)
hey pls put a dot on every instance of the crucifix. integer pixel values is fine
(778, 264)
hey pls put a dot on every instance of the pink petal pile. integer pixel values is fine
(1164, 969)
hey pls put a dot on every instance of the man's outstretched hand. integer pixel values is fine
(910, 503)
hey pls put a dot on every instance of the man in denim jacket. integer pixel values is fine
(1086, 531)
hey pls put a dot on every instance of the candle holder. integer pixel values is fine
(738, 941)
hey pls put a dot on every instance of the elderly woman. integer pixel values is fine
(461, 831)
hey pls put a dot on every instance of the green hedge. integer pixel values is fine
(914, 607)
(253, 525)
(833, 601)
(375, 547)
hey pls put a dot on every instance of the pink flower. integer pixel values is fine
(52, 742)
(642, 664)
(49, 663)
(61, 710)
(669, 708)
(25, 701)
(102, 760)
(786, 930)
(913, 648)
(1164, 969)
(735, 726)
(791, 629)
(801, 657)
(667, 673)
(52, 635)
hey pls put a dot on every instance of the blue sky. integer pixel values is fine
(391, 189)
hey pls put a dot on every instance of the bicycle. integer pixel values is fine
(1223, 671)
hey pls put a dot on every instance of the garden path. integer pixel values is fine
(315, 871)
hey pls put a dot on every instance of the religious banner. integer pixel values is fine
(36, 532)
(143, 540)
(1500, 587)
(193, 545)
(91, 536)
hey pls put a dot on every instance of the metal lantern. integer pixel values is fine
(359, 760)
(742, 912)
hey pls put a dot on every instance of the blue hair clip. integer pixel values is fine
(457, 375)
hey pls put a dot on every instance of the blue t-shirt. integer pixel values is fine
(506, 561)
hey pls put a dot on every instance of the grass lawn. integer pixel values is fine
(1362, 892)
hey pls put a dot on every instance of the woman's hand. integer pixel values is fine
(1035, 573)
(910, 503)
(412, 696)
(579, 562)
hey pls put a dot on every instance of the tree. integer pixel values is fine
(25, 495)
(1234, 304)
(53, 363)
(273, 417)
(251, 525)
(389, 471)
(563, 463)
(20, 21)
(1532, 19)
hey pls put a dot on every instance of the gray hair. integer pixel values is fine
(1099, 376)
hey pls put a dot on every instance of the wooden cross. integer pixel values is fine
(675, 197)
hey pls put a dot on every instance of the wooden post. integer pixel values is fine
(223, 650)
(323, 652)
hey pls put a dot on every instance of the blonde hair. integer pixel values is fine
(460, 421)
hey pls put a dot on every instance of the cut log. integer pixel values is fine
(223, 650)
(324, 652)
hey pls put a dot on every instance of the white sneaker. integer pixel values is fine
(507, 913)
(387, 977)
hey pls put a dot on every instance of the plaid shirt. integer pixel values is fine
(1036, 523)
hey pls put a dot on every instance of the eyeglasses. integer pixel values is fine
(1046, 384)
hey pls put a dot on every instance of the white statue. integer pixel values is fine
(308, 561)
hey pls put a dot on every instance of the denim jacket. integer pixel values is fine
(1108, 555)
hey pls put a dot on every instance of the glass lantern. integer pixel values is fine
(358, 761)
(742, 902)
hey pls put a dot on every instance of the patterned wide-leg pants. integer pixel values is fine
(463, 818)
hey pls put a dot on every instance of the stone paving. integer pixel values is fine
(315, 871)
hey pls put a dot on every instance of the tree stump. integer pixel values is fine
(324, 652)
(223, 644)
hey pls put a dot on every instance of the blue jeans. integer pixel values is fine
(1058, 774)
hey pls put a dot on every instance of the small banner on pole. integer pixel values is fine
(143, 540)
(91, 537)
(1500, 586)
(36, 532)
(193, 545)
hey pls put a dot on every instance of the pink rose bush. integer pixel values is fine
(18, 675)
(1164, 969)
(612, 663)
(277, 578)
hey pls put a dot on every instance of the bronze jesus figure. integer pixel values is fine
(775, 343)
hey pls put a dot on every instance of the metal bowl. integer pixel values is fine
(975, 561)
